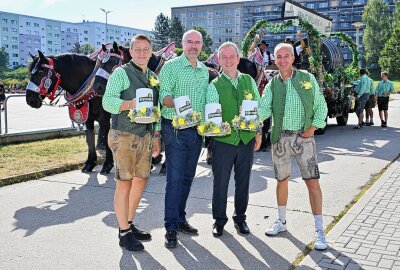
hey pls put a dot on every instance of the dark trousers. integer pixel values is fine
(182, 151)
(226, 156)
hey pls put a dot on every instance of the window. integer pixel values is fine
(57, 35)
(50, 42)
(49, 27)
(56, 28)
(98, 43)
(86, 39)
(15, 39)
(228, 21)
(13, 22)
(57, 50)
(50, 49)
(36, 33)
(323, 5)
(15, 63)
(191, 14)
(15, 47)
(28, 32)
(218, 13)
(5, 29)
(14, 30)
(202, 14)
(228, 30)
(228, 39)
(68, 44)
(15, 55)
(85, 32)
(68, 29)
(49, 35)
(36, 41)
(217, 31)
(75, 30)
(5, 38)
(36, 25)
(238, 12)
(228, 12)
(56, 43)
(218, 21)
(5, 20)
(258, 10)
(27, 24)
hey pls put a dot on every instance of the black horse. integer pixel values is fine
(70, 72)
(245, 66)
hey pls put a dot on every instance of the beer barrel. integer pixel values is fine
(332, 57)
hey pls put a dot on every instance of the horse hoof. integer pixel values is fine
(106, 168)
(88, 167)
(100, 146)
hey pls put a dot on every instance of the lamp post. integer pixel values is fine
(106, 12)
(358, 25)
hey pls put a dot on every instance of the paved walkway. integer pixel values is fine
(368, 236)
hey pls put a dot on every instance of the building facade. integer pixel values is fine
(21, 35)
(231, 21)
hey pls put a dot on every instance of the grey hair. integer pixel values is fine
(284, 45)
(226, 45)
(191, 31)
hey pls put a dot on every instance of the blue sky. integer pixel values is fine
(131, 13)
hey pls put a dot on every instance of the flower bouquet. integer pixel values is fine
(241, 123)
(188, 120)
(212, 129)
(145, 115)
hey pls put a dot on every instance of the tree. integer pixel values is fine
(377, 31)
(176, 32)
(161, 32)
(87, 49)
(207, 40)
(390, 56)
(4, 58)
(76, 48)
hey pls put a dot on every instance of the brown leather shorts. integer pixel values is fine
(131, 153)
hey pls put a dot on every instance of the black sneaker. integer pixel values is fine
(171, 240)
(369, 124)
(140, 235)
(362, 123)
(384, 124)
(187, 228)
(358, 127)
(129, 242)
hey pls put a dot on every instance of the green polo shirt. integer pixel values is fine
(363, 86)
(179, 78)
(384, 87)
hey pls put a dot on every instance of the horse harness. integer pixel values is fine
(102, 72)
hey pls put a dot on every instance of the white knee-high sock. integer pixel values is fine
(282, 213)
(318, 223)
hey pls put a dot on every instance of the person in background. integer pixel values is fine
(362, 89)
(383, 90)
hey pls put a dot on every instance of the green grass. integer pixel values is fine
(24, 158)
(396, 86)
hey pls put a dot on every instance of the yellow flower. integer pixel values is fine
(252, 126)
(181, 121)
(216, 130)
(143, 110)
(248, 95)
(174, 122)
(201, 129)
(242, 125)
(307, 85)
(153, 82)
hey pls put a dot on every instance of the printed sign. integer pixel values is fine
(249, 109)
(144, 98)
(182, 105)
(213, 113)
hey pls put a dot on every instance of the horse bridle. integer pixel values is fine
(105, 74)
(46, 82)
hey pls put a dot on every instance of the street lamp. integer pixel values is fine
(106, 12)
(358, 25)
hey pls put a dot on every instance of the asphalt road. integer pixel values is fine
(67, 221)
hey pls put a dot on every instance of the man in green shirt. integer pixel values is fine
(363, 92)
(132, 144)
(369, 113)
(298, 108)
(383, 90)
(236, 149)
(182, 76)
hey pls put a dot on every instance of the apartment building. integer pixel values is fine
(231, 21)
(22, 34)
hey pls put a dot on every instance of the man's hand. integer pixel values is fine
(156, 147)
(258, 142)
(168, 101)
(309, 132)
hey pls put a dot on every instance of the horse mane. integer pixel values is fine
(68, 62)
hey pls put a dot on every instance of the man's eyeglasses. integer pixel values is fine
(191, 42)
(139, 50)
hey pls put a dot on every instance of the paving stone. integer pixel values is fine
(331, 266)
(389, 230)
(353, 245)
(343, 239)
(363, 251)
(342, 260)
(382, 242)
(386, 263)
(392, 247)
(374, 257)
(372, 237)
